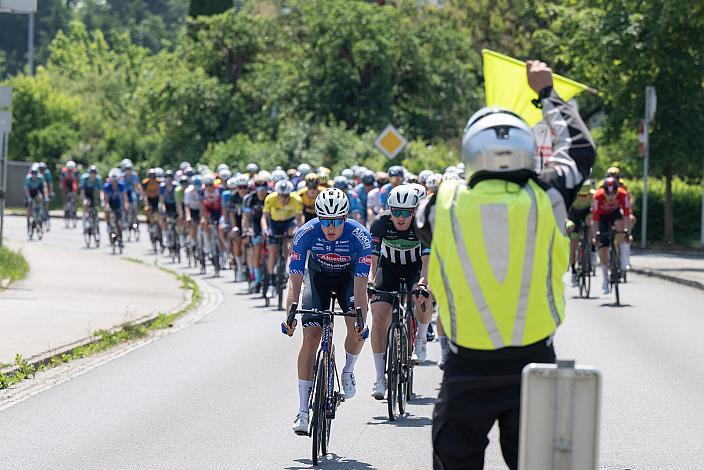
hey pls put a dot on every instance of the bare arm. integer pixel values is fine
(294, 289)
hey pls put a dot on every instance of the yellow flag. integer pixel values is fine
(506, 86)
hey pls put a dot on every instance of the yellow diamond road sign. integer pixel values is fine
(390, 142)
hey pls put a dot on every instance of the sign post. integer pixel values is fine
(5, 128)
(650, 107)
(390, 142)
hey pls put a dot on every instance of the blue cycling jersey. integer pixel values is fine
(31, 183)
(355, 205)
(362, 194)
(169, 195)
(131, 181)
(113, 194)
(86, 183)
(352, 252)
(384, 195)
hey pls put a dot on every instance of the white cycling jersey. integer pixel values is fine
(192, 198)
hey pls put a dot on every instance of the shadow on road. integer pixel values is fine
(421, 401)
(331, 461)
(614, 305)
(406, 421)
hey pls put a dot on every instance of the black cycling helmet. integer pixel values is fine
(368, 178)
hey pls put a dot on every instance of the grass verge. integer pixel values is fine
(13, 266)
(105, 339)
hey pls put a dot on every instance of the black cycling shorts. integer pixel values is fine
(195, 215)
(388, 278)
(605, 223)
(33, 194)
(316, 294)
(170, 209)
(153, 203)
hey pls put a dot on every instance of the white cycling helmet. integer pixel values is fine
(420, 190)
(301, 184)
(252, 168)
(497, 141)
(114, 174)
(433, 182)
(222, 166)
(347, 173)
(265, 174)
(232, 183)
(208, 180)
(70, 164)
(404, 196)
(283, 187)
(225, 175)
(241, 180)
(332, 203)
(424, 175)
(304, 169)
(278, 175)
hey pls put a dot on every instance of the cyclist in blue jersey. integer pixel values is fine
(362, 190)
(167, 199)
(338, 252)
(34, 187)
(114, 195)
(49, 180)
(342, 183)
(396, 176)
(133, 185)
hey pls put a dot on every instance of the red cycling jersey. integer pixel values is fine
(211, 199)
(603, 205)
(69, 179)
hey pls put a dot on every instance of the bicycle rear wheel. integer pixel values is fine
(615, 275)
(280, 280)
(318, 419)
(392, 370)
(405, 366)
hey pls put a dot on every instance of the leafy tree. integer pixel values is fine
(620, 47)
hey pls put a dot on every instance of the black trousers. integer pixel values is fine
(479, 388)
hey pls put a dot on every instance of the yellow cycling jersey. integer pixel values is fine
(280, 212)
(307, 201)
(151, 187)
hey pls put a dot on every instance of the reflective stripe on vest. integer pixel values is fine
(489, 291)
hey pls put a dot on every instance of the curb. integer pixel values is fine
(46, 357)
(667, 277)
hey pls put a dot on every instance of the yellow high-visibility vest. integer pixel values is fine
(496, 264)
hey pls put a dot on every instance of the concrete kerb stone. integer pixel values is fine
(46, 357)
(668, 277)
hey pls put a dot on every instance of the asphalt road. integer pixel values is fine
(223, 393)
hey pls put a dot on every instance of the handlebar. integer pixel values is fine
(357, 314)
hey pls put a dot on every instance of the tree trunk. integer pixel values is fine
(669, 231)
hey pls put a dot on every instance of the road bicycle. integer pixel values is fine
(399, 349)
(91, 227)
(131, 223)
(46, 220)
(70, 219)
(35, 221)
(615, 274)
(325, 396)
(155, 235)
(115, 232)
(584, 262)
(209, 243)
(281, 269)
(173, 238)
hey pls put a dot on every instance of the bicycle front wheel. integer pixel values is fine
(318, 421)
(392, 370)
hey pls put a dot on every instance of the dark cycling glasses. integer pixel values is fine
(263, 186)
(331, 222)
(401, 213)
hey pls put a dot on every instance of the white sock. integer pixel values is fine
(304, 388)
(379, 365)
(626, 252)
(240, 261)
(605, 273)
(422, 331)
(350, 359)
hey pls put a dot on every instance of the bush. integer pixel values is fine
(13, 266)
(686, 209)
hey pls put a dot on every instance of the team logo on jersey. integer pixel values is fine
(366, 260)
(335, 258)
(363, 236)
(295, 256)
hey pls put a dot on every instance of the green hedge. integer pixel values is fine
(686, 209)
(13, 266)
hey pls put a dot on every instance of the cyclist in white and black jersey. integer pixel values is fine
(191, 202)
(397, 254)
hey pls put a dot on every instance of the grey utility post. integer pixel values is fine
(650, 107)
(23, 7)
(5, 128)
